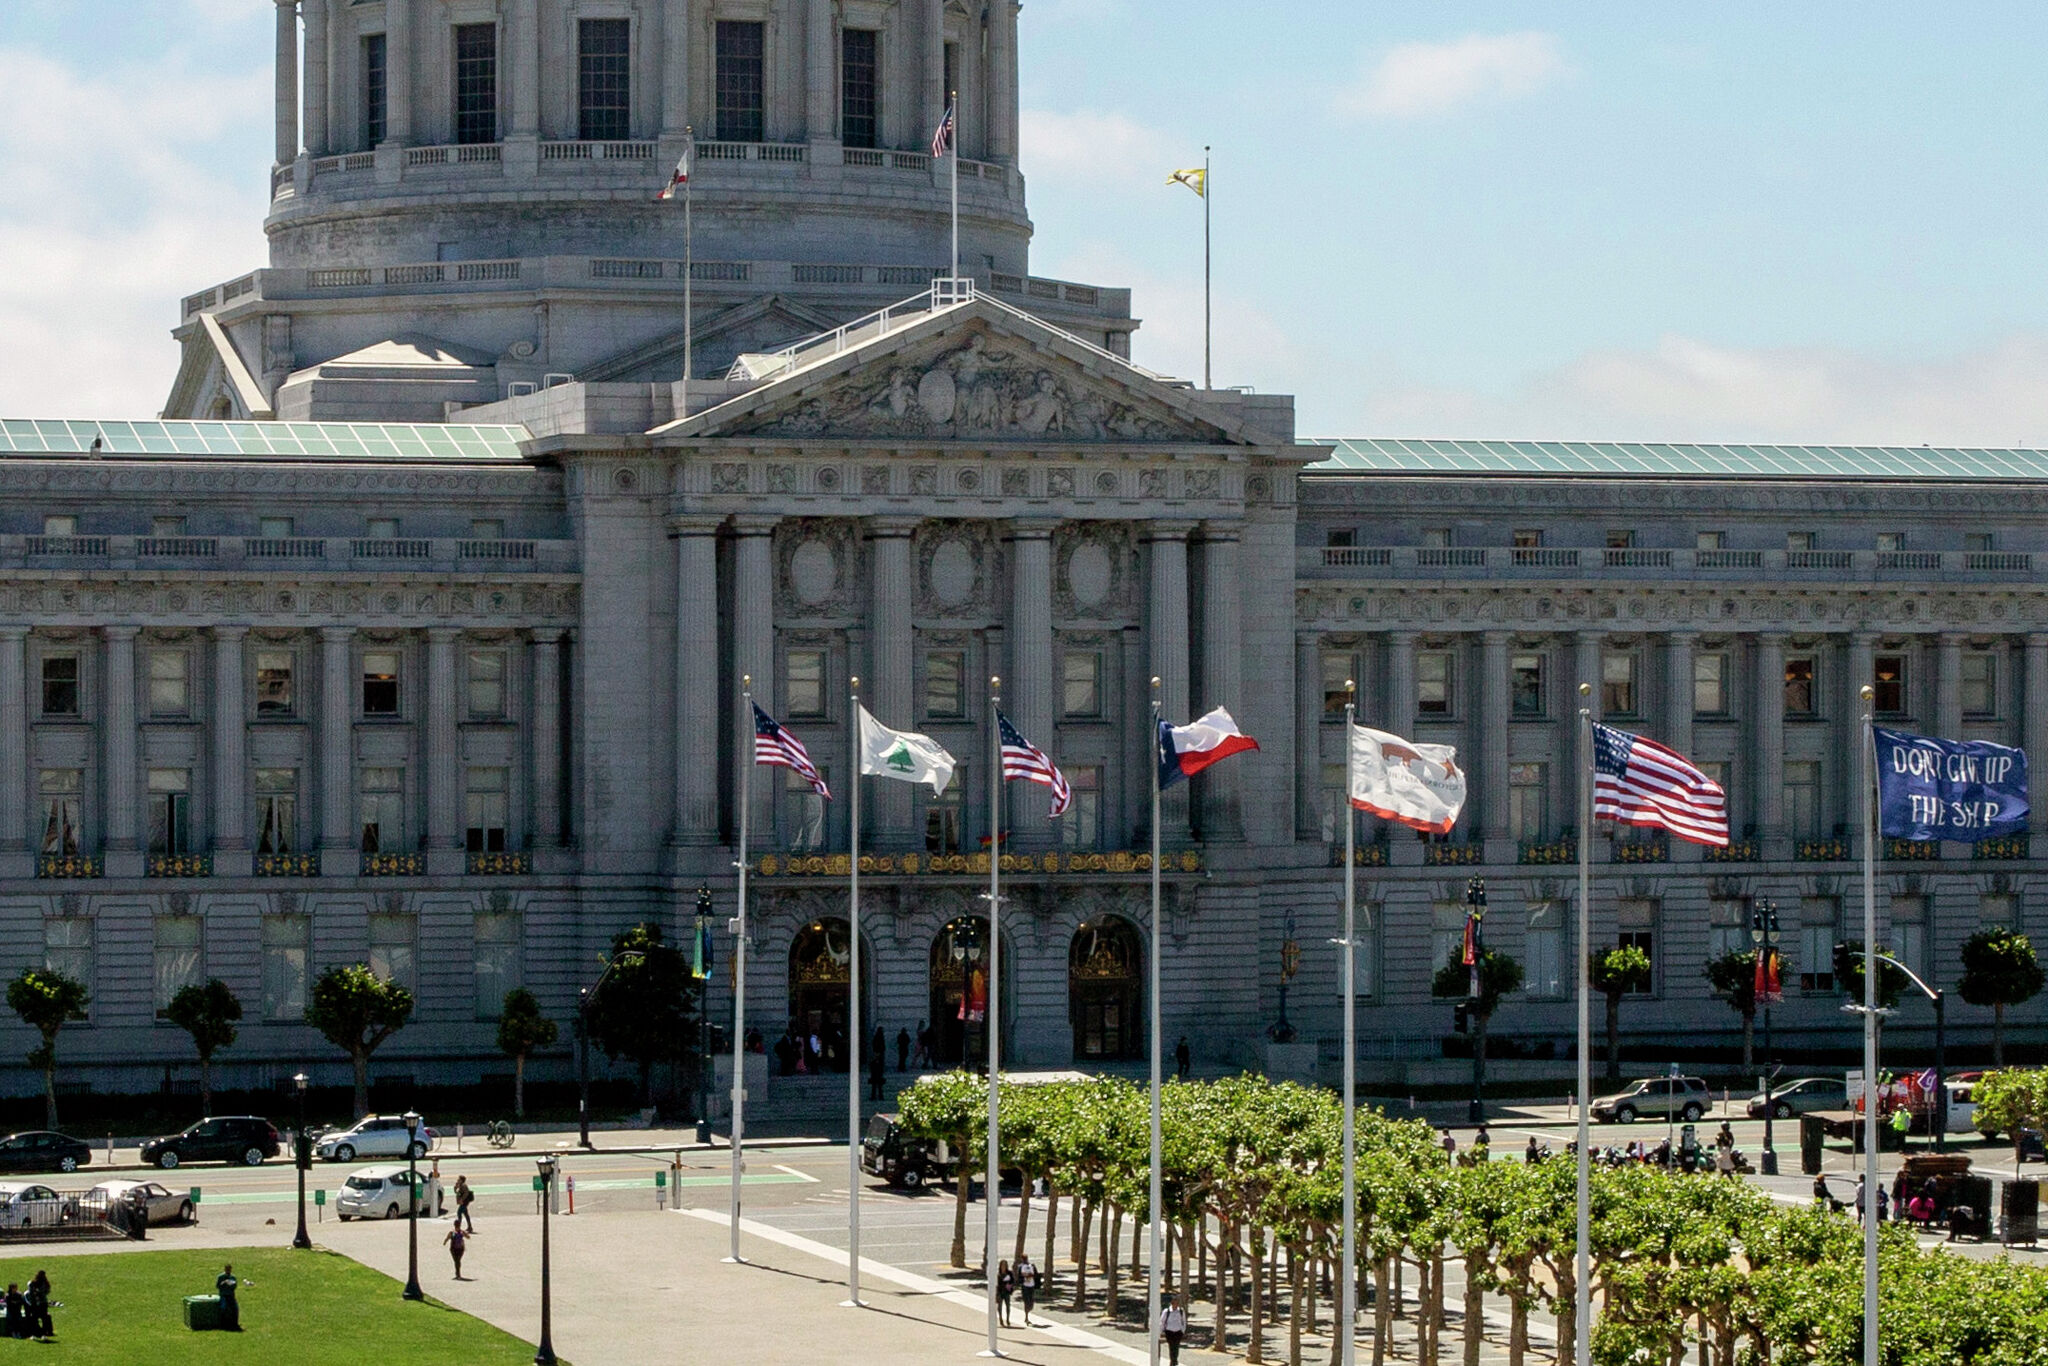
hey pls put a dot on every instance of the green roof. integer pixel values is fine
(1674, 460)
(263, 440)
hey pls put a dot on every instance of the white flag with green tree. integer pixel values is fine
(902, 754)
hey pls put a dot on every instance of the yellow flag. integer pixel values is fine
(1196, 179)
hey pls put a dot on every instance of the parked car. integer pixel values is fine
(165, 1206)
(27, 1206)
(890, 1153)
(247, 1139)
(1802, 1096)
(374, 1136)
(1685, 1098)
(40, 1150)
(380, 1193)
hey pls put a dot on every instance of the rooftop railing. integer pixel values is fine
(1549, 561)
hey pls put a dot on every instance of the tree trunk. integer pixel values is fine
(1255, 1350)
(1475, 1317)
(1112, 1262)
(1613, 1037)
(1023, 1220)
(50, 1082)
(1079, 1250)
(1295, 1306)
(1479, 1056)
(1382, 1315)
(1567, 1319)
(1998, 1033)
(963, 1182)
(1749, 1039)
(1518, 1326)
(1052, 1225)
(519, 1086)
(205, 1084)
(361, 1058)
(1425, 1347)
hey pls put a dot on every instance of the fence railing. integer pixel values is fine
(70, 866)
(287, 865)
(178, 865)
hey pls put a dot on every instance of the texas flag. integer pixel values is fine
(1186, 750)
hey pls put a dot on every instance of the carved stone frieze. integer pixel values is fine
(185, 604)
(1094, 570)
(815, 568)
(957, 569)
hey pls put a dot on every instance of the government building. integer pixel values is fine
(415, 631)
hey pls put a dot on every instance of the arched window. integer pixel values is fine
(1105, 989)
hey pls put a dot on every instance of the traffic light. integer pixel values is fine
(1461, 1018)
(1845, 964)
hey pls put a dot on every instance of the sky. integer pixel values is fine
(1744, 222)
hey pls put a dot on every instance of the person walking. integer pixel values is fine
(902, 1050)
(38, 1304)
(1006, 1285)
(923, 1056)
(465, 1196)
(1183, 1058)
(1027, 1285)
(456, 1240)
(878, 1063)
(224, 1285)
(1173, 1326)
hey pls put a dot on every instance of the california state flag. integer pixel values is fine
(1418, 785)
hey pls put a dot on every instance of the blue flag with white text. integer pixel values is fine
(1968, 790)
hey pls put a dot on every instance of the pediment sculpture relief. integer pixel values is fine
(976, 390)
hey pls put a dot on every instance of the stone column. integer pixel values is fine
(337, 745)
(1002, 78)
(935, 92)
(753, 648)
(2034, 726)
(821, 73)
(1400, 715)
(1948, 686)
(1860, 668)
(697, 700)
(14, 835)
(547, 738)
(1308, 734)
(316, 78)
(1028, 685)
(1678, 650)
(1222, 674)
(230, 753)
(398, 63)
(1167, 626)
(888, 692)
(1768, 740)
(444, 754)
(675, 69)
(1585, 669)
(287, 82)
(522, 89)
(1493, 749)
(119, 734)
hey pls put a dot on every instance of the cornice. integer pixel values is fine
(295, 604)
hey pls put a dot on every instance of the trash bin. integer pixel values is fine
(202, 1313)
(2019, 1212)
(1813, 1138)
(1974, 1194)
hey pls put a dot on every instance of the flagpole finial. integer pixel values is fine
(1155, 682)
(995, 681)
(1585, 689)
(855, 681)
(1866, 692)
(1350, 685)
(747, 682)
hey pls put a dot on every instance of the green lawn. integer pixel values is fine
(304, 1308)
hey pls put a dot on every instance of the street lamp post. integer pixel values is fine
(1763, 932)
(583, 1000)
(412, 1194)
(1475, 899)
(544, 1355)
(302, 1158)
(704, 1016)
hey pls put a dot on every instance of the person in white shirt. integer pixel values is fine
(1173, 1326)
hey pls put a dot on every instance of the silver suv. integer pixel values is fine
(373, 1136)
(1685, 1098)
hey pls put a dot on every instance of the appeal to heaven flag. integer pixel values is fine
(1196, 179)
(1930, 789)
(1418, 785)
(903, 754)
(1186, 750)
(1639, 782)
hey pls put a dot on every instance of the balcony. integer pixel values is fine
(2010, 847)
(1912, 851)
(1835, 850)
(821, 865)
(1744, 850)
(70, 866)
(1453, 855)
(270, 554)
(501, 864)
(287, 865)
(394, 865)
(1372, 855)
(178, 865)
(1642, 851)
(1565, 850)
(1632, 562)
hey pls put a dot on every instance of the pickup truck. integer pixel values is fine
(905, 1162)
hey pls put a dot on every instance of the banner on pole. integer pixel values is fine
(1929, 789)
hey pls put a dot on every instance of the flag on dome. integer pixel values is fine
(942, 137)
(903, 755)
(1400, 780)
(1196, 178)
(777, 747)
(1639, 782)
(1022, 759)
(1186, 750)
(682, 175)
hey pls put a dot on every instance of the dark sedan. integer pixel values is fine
(42, 1151)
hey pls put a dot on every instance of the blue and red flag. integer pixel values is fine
(1186, 750)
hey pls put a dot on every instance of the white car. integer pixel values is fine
(165, 1206)
(27, 1206)
(380, 1193)
(373, 1136)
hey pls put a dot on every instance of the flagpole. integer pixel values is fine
(1153, 1189)
(1207, 185)
(992, 1196)
(1870, 974)
(739, 958)
(853, 996)
(1582, 1302)
(1347, 1304)
(953, 138)
(689, 283)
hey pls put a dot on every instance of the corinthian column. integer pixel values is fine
(1494, 747)
(14, 839)
(753, 646)
(398, 65)
(675, 69)
(2034, 728)
(1002, 78)
(230, 753)
(1222, 676)
(821, 72)
(1167, 625)
(1028, 688)
(697, 699)
(1308, 733)
(935, 92)
(1948, 686)
(337, 731)
(287, 82)
(547, 738)
(1768, 760)
(316, 78)
(889, 690)
(522, 47)
(444, 754)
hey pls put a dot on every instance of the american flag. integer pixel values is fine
(1022, 759)
(774, 745)
(1639, 782)
(942, 137)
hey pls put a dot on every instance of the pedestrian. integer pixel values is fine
(923, 1056)
(1027, 1285)
(457, 1240)
(465, 1196)
(17, 1312)
(902, 1050)
(1531, 1155)
(1173, 1326)
(1006, 1284)
(1450, 1146)
(878, 1069)
(1183, 1058)
(224, 1285)
(1884, 1201)
(38, 1298)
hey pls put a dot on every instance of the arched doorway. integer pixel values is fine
(820, 974)
(1105, 990)
(959, 993)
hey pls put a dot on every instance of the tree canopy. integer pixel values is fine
(356, 1010)
(644, 1010)
(209, 1012)
(47, 1000)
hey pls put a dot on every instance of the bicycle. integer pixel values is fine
(499, 1135)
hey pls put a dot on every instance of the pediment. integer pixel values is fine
(975, 374)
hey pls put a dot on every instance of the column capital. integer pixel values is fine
(755, 524)
(1402, 635)
(706, 524)
(337, 635)
(1589, 636)
(1776, 638)
(1682, 637)
(1305, 635)
(1953, 639)
(1863, 639)
(1492, 638)
(1222, 531)
(443, 635)
(547, 635)
(1168, 531)
(1033, 528)
(223, 633)
(891, 528)
(2037, 640)
(13, 633)
(121, 631)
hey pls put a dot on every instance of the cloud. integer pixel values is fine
(1093, 145)
(1418, 79)
(1685, 389)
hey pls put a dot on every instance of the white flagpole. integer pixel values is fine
(992, 1196)
(1208, 188)
(953, 139)
(739, 958)
(1153, 1190)
(1870, 972)
(689, 281)
(1582, 1301)
(853, 996)
(1347, 1306)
